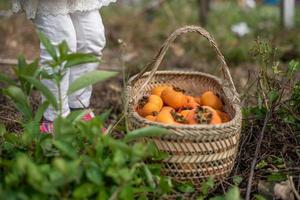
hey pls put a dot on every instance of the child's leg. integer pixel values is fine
(57, 29)
(90, 39)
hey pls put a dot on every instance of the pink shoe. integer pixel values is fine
(88, 117)
(46, 127)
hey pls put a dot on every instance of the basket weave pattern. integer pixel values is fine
(195, 151)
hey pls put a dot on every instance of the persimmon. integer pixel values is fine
(210, 99)
(149, 105)
(198, 100)
(165, 117)
(184, 113)
(156, 100)
(215, 118)
(191, 116)
(203, 115)
(178, 117)
(173, 97)
(158, 90)
(224, 116)
(151, 118)
(190, 103)
(167, 108)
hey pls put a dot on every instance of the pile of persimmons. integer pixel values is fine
(170, 105)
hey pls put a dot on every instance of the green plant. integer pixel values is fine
(272, 112)
(78, 161)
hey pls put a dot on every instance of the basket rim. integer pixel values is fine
(237, 108)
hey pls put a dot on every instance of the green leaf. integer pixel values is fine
(20, 100)
(149, 177)
(84, 191)
(76, 59)
(233, 194)
(261, 164)
(186, 187)
(105, 115)
(118, 145)
(5, 79)
(145, 132)
(39, 113)
(71, 169)
(21, 65)
(119, 158)
(77, 115)
(165, 184)
(65, 148)
(44, 90)
(127, 192)
(276, 177)
(207, 185)
(48, 46)
(293, 66)
(31, 131)
(64, 130)
(30, 69)
(93, 174)
(89, 79)
(273, 95)
(237, 180)
(63, 49)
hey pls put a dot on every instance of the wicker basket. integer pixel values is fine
(196, 151)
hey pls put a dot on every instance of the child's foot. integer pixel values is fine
(88, 117)
(46, 127)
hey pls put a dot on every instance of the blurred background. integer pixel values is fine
(143, 25)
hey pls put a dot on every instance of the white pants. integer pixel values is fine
(84, 32)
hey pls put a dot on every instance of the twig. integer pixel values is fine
(290, 178)
(249, 186)
(263, 93)
(123, 47)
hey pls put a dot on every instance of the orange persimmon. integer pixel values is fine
(149, 105)
(166, 117)
(224, 116)
(210, 99)
(190, 103)
(203, 115)
(150, 118)
(173, 97)
(158, 90)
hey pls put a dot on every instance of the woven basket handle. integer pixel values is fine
(181, 31)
